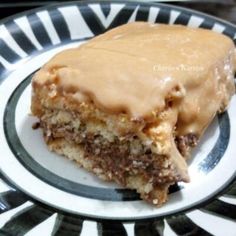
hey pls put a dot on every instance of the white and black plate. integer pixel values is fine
(44, 194)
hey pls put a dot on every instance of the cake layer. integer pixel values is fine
(130, 104)
(117, 148)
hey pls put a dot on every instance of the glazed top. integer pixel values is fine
(141, 68)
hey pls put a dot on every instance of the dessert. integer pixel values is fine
(130, 104)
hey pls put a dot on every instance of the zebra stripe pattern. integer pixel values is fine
(16, 210)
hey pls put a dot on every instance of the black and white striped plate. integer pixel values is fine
(44, 194)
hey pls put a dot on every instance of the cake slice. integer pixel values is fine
(130, 104)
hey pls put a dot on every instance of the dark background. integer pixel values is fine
(225, 9)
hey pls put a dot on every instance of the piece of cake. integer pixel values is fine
(130, 104)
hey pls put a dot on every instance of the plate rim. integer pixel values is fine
(81, 3)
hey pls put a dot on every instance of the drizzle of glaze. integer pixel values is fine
(138, 69)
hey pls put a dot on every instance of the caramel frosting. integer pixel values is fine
(140, 68)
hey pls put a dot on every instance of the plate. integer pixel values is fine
(44, 194)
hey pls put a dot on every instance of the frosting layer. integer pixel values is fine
(141, 68)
